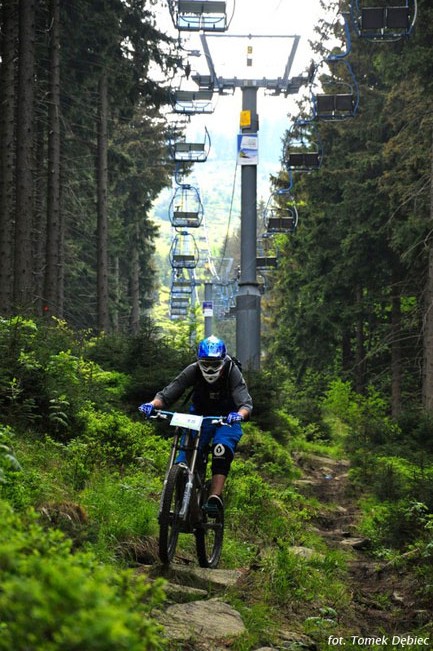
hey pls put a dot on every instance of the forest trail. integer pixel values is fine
(197, 618)
(383, 595)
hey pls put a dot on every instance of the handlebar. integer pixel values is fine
(165, 415)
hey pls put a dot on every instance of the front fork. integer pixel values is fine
(176, 446)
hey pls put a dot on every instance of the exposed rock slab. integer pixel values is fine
(206, 620)
(184, 593)
(198, 577)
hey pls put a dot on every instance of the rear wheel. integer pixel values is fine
(169, 521)
(209, 535)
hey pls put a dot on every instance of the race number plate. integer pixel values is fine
(190, 421)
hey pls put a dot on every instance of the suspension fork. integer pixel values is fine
(191, 472)
(174, 450)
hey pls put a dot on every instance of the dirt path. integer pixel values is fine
(383, 596)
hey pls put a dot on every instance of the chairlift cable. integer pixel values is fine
(227, 235)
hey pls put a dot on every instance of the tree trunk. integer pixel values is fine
(395, 347)
(9, 26)
(102, 207)
(360, 363)
(346, 353)
(135, 281)
(427, 388)
(39, 229)
(23, 290)
(51, 280)
(115, 321)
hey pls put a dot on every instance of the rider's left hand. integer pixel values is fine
(234, 417)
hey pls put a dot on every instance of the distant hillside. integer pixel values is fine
(219, 182)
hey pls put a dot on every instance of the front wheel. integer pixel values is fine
(169, 521)
(209, 535)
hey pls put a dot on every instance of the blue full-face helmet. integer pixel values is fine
(211, 354)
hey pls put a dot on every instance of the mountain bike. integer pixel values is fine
(186, 490)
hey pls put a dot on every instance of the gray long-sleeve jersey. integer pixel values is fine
(188, 378)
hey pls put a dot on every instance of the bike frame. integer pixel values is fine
(190, 444)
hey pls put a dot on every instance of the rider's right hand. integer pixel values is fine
(146, 409)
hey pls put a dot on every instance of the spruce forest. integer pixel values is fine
(328, 536)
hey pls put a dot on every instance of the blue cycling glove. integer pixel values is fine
(234, 417)
(146, 409)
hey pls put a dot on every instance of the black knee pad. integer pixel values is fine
(222, 457)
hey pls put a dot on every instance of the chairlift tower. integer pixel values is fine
(248, 299)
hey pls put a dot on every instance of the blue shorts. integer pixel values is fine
(228, 435)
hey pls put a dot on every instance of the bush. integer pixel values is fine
(261, 448)
(8, 461)
(45, 380)
(253, 510)
(121, 511)
(393, 524)
(150, 360)
(112, 438)
(54, 601)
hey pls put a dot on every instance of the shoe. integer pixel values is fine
(213, 506)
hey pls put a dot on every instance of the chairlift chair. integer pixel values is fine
(184, 151)
(190, 102)
(281, 214)
(199, 15)
(266, 262)
(340, 98)
(184, 252)
(180, 287)
(302, 150)
(179, 301)
(266, 254)
(178, 313)
(186, 209)
(204, 82)
(387, 22)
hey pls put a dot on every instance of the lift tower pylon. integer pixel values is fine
(248, 307)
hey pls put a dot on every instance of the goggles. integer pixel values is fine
(211, 365)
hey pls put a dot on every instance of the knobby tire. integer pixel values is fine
(209, 536)
(169, 522)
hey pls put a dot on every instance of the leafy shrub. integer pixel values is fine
(291, 578)
(393, 524)
(261, 448)
(120, 511)
(111, 437)
(8, 461)
(367, 418)
(42, 476)
(253, 509)
(417, 431)
(54, 601)
(340, 401)
(150, 360)
(45, 380)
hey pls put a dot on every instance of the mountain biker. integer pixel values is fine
(218, 388)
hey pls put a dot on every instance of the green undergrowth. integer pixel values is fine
(54, 599)
(81, 475)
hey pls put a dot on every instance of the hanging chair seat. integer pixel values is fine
(179, 301)
(206, 15)
(380, 18)
(266, 262)
(193, 101)
(181, 287)
(186, 219)
(281, 224)
(335, 106)
(183, 261)
(303, 161)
